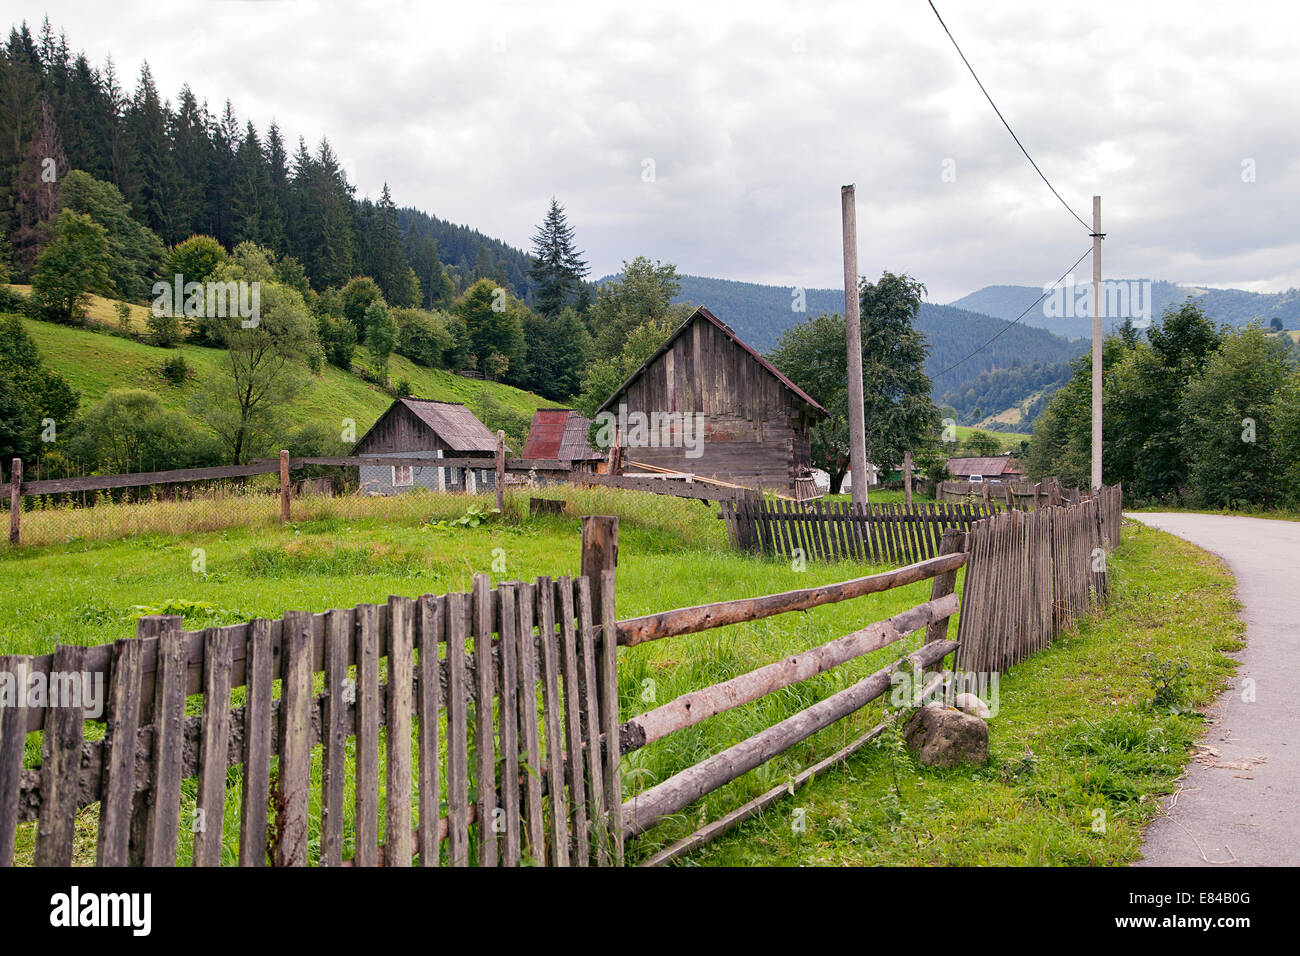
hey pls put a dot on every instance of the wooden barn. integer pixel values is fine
(707, 404)
(560, 435)
(416, 428)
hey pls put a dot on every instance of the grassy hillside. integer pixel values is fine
(95, 362)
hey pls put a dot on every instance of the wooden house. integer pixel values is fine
(995, 467)
(707, 404)
(415, 428)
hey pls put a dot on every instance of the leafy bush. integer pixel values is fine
(176, 370)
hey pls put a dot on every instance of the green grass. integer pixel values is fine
(1250, 511)
(95, 362)
(1007, 441)
(1077, 706)
(1072, 744)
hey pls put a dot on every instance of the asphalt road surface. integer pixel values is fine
(1240, 799)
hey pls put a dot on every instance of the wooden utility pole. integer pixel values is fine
(853, 345)
(1096, 341)
(907, 477)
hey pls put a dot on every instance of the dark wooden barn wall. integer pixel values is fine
(400, 430)
(756, 429)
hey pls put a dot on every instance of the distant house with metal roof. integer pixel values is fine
(560, 434)
(1005, 467)
(416, 428)
(707, 404)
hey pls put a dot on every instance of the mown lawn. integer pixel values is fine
(1077, 706)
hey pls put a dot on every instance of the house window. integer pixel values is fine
(401, 476)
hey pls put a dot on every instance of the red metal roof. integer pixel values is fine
(559, 434)
(546, 433)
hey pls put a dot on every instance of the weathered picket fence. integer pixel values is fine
(842, 531)
(1030, 573)
(518, 733)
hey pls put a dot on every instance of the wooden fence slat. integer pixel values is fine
(257, 746)
(484, 738)
(508, 710)
(397, 738)
(609, 722)
(581, 850)
(168, 746)
(526, 652)
(458, 617)
(294, 781)
(552, 709)
(214, 748)
(61, 760)
(367, 747)
(120, 739)
(338, 689)
(431, 617)
(600, 835)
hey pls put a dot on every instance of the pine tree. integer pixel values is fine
(558, 266)
(251, 191)
(149, 167)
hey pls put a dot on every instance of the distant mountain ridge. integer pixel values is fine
(760, 313)
(1232, 306)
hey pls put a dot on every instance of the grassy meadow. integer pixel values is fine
(1077, 707)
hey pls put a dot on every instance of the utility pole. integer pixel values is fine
(1096, 341)
(853, 344)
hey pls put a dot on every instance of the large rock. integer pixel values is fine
(945, 737)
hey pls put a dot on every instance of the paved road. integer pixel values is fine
(1241, 805)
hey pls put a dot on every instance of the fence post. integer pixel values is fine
(15, 501)
(501, 472)
(284, 486)
(953, 541)
(600, 566)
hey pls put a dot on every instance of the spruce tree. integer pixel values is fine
(558, 267)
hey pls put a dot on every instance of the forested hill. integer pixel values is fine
(760, 313)
(1232, 306)
(467, 251)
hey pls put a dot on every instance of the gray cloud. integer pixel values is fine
(755, 116)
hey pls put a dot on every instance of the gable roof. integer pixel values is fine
(559, 434)
(707, 316)
(450, 421)
(998, 465)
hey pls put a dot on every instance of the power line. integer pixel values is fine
(1004, 120)
(1046, 292)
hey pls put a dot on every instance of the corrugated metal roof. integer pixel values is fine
(454, 424)
(546, 433)
(706, 315)
(574, 447)
(559, 434)
(999, 465)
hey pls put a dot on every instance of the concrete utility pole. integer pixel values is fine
(1096, 341)
(853, 344)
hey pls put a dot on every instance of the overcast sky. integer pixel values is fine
(753, 115)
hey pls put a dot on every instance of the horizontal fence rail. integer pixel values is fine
(841, 531)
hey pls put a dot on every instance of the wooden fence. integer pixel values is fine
(1022, 495)
(1030, 573)
(523, 730)
(540, 679)
(14, 490)
(839, 531)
